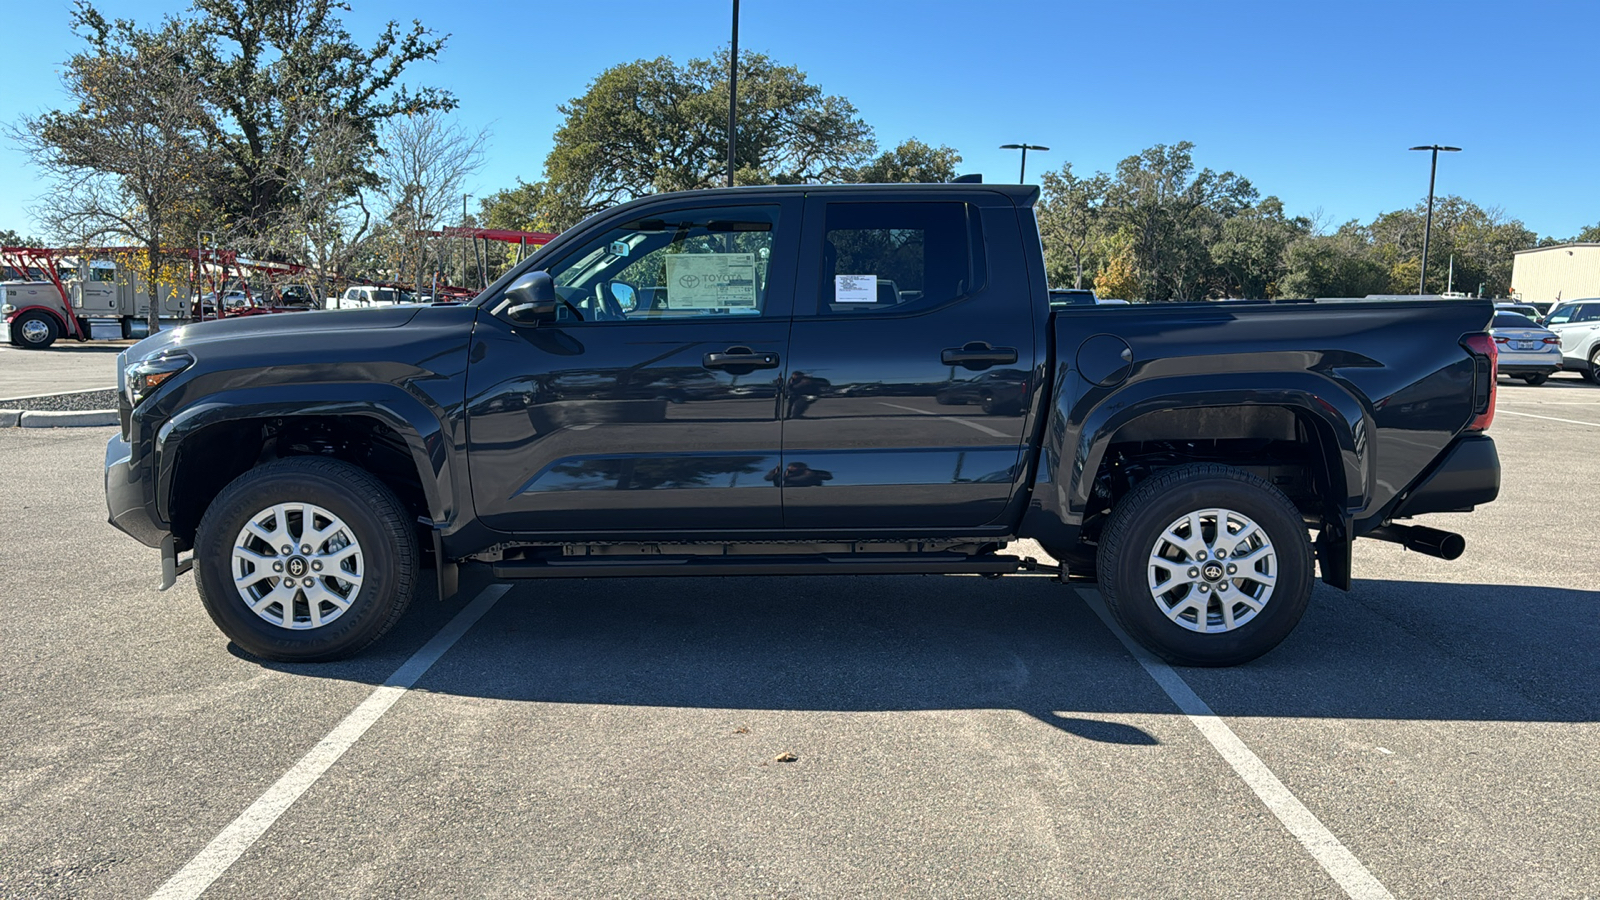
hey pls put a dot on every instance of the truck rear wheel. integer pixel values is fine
(305, 560)
(34, 330)
(1206, 565)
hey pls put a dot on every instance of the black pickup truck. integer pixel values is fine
(800, 380)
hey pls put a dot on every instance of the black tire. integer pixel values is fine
(381, 526)
(1138, 523)
(1591, 373)
(42, 337)
(1536, 380)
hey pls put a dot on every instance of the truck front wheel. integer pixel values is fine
(305, 560)
(1206, 565)
(34, 330)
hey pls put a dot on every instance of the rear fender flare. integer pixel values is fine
(392, 406)
(1337, 413)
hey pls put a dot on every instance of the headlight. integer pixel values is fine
(7, 310)
(146, 375)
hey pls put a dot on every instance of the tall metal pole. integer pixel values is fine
(1427, 228)
(733, 91)
(1023, 173)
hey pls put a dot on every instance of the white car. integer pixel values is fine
(1577, 324)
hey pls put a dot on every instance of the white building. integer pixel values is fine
(1557, 272)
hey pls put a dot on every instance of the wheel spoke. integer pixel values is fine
(244, 581)
(1226, 604)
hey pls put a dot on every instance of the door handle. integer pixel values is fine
(740, 358)
(978, 355)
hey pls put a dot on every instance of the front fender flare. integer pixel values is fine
(397, 409)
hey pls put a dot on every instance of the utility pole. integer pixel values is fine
(733, 92)
(1427, 229)
(1023, 175)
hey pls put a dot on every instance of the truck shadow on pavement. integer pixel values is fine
(1386, 650)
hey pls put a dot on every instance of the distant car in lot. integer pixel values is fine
(1526, 309)
(1577, 324)
(1527, 350)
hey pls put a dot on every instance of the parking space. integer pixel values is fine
(65, 366)
(951, 735)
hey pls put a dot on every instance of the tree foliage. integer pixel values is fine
(132, 159)
(1160, 228)
(653, 125)
(911, 162)
(274, 69)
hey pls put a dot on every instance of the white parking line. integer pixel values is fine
(1334, 857)
(192, 880)
(1507, 412)
(956, 419)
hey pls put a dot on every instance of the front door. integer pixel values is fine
(912, 365)
(649, 405)
(1575, 325)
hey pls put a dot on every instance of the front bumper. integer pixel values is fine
(130, 495)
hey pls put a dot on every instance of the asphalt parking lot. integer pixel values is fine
(953, 736)
(65, 366)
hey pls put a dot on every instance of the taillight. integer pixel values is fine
(1552, 339)
(1502, 340)
(1486, 364)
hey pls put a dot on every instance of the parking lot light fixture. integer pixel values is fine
(1427, 228)
(1023, 174)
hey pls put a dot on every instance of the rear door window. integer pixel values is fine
(899, 257)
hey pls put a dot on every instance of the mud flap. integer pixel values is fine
(448, 570)
(171, 567)
(1333, 555)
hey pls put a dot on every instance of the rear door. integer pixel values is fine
(912, 364)
(649, 407)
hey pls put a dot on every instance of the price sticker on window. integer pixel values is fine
(855, 289)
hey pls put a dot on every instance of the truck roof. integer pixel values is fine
(1020, 194)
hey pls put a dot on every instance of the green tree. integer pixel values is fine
(269, 70)
(1070, 219)
(911, 162)
(1590, 235)
(1333, 265)
(1479, 241)
(131, 159)
(10, 238)
(1250, 249)
(1174, 213)
(652, 125)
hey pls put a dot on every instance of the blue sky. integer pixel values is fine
(1313, 102)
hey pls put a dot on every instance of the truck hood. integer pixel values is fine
(247, 328)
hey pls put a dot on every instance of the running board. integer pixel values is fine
(658, 567)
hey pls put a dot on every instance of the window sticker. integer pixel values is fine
(711, 280)
(855, 289)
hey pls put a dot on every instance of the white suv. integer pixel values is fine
(1577, 324)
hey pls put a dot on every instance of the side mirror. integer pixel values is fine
(531, 298)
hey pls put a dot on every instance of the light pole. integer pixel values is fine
(461, 243)
(1022, 175)
(733, 90)
(1427, 229)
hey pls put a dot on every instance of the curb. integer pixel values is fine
(78, 418)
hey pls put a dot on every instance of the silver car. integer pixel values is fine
(1577, 324)
(1527, 349)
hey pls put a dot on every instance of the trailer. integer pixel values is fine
(61, 291)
